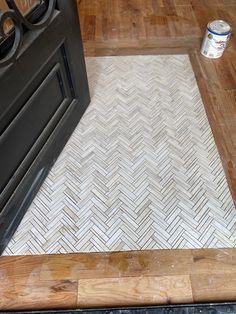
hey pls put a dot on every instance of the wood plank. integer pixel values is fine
(32, 294)
(22, 289)
(214, 287)
(213, 261)
(131, 291)
(19, 267)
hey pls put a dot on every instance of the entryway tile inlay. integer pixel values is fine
(141, 171)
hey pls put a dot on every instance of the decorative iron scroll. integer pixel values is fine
(18, 21)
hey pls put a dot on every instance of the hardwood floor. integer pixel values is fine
(125, 24)
(117, 279)
(116, 27)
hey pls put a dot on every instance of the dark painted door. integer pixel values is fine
(43, 94)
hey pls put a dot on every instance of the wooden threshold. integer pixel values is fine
(137, 278)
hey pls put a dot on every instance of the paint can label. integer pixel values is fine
(216, 38)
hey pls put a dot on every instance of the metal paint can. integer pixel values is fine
(217, 35)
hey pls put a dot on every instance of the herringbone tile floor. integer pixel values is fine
(141, 171)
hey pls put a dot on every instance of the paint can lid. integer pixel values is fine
(219, 27)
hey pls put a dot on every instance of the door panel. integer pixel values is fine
(44, 92)
(31, 121)
(53, 69)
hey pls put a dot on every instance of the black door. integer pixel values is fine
(43, 94)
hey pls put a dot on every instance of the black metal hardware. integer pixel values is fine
(19, 20)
